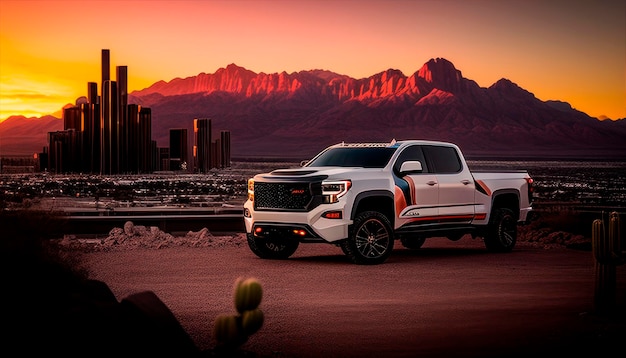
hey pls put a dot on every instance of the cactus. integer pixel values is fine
(252, 320)
(232, 331)
(608, 252)
(248, 294)
(226, 331)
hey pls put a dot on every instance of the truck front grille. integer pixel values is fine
(284, 196)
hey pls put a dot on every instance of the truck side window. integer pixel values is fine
(445, 160)
(411, 153)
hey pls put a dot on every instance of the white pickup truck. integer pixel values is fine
(363, 196)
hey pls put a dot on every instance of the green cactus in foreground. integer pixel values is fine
(232, 330)
(608, 252)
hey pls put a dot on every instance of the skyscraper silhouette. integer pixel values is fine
(178, 149)
(106, 66)
(209, 153)
(105, 134)
(202, 145)
(110, 129)
(225, 149)
(123, 127)
(104, 139)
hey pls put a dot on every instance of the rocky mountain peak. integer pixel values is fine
(234, 71)
(441, 73)
(510, 89)
(326, 75)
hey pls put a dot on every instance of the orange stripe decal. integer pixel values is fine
(399, 200)
(440, 218)
(411, 188)
(484, 186)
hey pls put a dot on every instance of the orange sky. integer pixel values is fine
(573, 51)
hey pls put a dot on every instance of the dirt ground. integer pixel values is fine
(449, 299)
(151, 293)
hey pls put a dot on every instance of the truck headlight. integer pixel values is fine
(251, 189)
(333, 190)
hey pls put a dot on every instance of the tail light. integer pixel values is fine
(530, 183)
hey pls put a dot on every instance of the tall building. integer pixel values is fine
(92, 93)
(109, 162)
(221, 151)
(225, 149)
(108, 136)
(216, 148)
(202, 145)
(105, 134)
(73, 149)
(91, 132)
(90, 113)
(43, 159)
(147, 147)
(72, 118)
(63, 151)
(209, 153)
(178, 149)
(106, 66)
(123, 125)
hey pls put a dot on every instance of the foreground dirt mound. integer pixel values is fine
(138, 236)
(549, 238)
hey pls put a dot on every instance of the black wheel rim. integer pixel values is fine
(507, 231)
(372, 239)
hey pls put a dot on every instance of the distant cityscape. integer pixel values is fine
(104, 134)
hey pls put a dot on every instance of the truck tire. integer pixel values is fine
(501, 234)
(370, 240)
(412, 242)
(273, 249)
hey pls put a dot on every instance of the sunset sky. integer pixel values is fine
(573, 51)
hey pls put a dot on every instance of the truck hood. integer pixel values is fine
(327, 172)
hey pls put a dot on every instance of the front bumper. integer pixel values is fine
(304, 226)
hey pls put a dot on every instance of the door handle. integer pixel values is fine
(431, 183)
(465, 181)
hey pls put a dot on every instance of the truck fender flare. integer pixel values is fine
(370, 194)
(498, 194)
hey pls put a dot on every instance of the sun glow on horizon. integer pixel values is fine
(558, 50)
(20, 96)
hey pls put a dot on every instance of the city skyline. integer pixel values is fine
(558, 50)
(104, 134)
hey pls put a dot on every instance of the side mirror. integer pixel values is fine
(411, 166)
(303, 163)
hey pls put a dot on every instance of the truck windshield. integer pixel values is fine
(370, 157)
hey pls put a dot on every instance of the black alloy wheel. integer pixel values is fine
(370, 241)
(501, 234)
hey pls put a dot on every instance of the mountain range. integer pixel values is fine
(295, 115)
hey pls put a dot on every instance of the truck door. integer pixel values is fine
(456, 184)
(417, 191)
